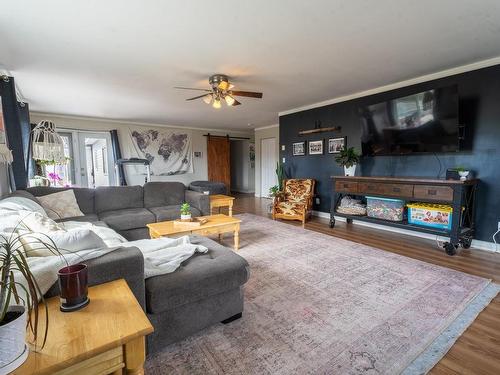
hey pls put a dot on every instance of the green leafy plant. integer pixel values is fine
(460, 169)
(347, 157)
(12, 259)
(280, 174)
(273, 191)
(185, 209)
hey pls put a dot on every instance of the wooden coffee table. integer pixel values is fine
(105, 337)
(219, 200)
(216, 224)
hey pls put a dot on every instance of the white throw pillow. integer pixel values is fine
(66, 242)
(20, 204)
(60, 205)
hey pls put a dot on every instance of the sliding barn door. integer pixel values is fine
(219, 164)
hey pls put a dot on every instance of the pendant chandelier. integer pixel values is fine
(47, 144)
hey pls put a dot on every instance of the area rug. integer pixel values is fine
(317, 304)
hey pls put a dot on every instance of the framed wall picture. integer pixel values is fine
(335, 145)
(299, 148)
(316, 147)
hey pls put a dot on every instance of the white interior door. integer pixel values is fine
(96, 160)
(268, 165)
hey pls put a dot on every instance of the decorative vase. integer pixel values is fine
(13, 349)
(350, 171)
(463, 175)
(186, 217)
(73, 284)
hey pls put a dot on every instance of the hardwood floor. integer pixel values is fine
(477, 351)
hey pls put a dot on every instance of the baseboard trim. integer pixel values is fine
(476, 244)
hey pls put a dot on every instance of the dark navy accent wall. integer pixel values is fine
(479, 101)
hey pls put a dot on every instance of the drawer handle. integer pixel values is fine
(396, 190)
(432, 192)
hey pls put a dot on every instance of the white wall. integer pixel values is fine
(262, 133)
(199, 142)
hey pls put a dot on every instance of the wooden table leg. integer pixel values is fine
(237, 237)
(135, 355)
(231, 209)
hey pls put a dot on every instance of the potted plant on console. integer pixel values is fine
(349, 159)
(19, 301)
(185, 212)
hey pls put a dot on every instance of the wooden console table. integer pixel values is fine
(460, 195)
(105, 337)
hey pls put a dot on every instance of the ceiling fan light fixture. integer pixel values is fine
(229, 100)
(207, 98)
(216, 104)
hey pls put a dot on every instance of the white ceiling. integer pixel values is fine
(119, 59)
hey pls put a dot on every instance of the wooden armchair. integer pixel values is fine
(295, 201)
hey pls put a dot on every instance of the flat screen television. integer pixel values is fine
(426, 122)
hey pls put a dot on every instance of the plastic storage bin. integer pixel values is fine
(430, 215)
(385, 208)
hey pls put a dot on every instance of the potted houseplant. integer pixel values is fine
(463, 173)
(185, 211)
(349, 159)
(19, 300)
(280, 175)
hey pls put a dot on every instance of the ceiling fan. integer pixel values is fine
(221, 89)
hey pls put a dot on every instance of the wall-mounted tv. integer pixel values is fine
(426, 122)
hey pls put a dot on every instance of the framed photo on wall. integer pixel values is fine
(335, 145)
(316, 147)
(299, 149)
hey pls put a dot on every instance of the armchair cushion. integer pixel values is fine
(289, 208)
(298, 190)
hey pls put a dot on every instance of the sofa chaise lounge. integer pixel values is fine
(206, 289)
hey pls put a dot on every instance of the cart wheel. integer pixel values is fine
(450, 248)
(332, 223)
(466, 242)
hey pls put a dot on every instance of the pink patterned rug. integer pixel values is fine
(317, 304)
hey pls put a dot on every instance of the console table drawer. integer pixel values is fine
(346, 187)
(391, 190)
(435, 193)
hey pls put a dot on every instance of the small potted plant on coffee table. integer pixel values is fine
(185, 212)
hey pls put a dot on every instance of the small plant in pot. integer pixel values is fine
(19, 301)
(463, 173)
(349, 159)
(185, 211)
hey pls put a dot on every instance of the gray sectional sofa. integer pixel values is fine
(206, 289)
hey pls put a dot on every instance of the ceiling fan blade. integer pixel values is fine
(249, 94)
(236, 103)
(197, 97)
(191, 88)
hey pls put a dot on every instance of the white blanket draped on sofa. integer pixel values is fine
(80, 241)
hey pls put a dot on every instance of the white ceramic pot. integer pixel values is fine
(13, 349)
(186, 217)
(350, 171)
(463, 175)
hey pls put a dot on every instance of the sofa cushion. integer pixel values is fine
(61, 205)
(198, 278)
(158, 194)
(166, 213)
(129, 218)
(111, 198)
(91, 218)
(84, 196)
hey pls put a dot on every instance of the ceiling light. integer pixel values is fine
(229, 100)
(207, 98)
(216, 103)
(223, 85)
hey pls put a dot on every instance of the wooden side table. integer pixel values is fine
(219, 200)
(106, 337)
